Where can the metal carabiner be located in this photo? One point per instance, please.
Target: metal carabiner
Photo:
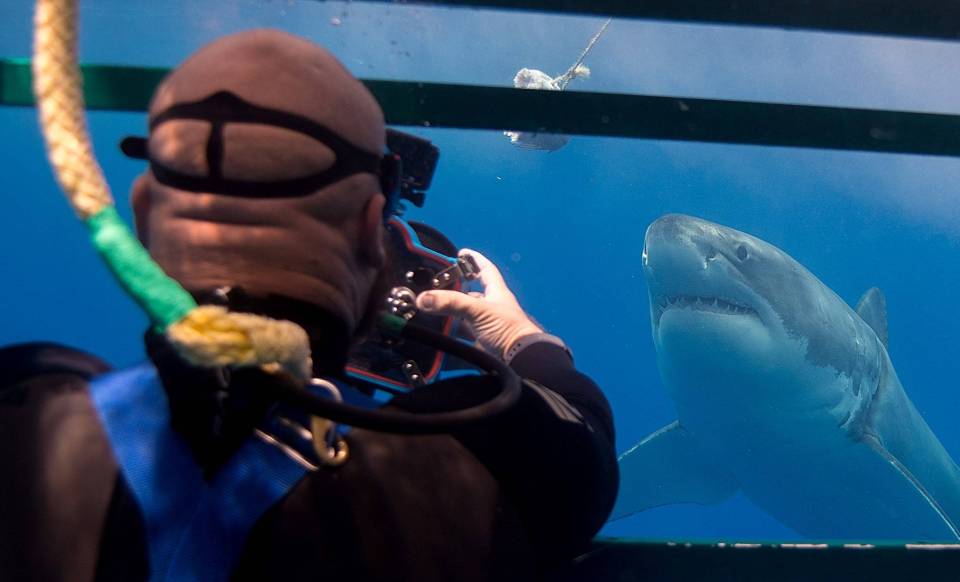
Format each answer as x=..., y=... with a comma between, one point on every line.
x=330, y=447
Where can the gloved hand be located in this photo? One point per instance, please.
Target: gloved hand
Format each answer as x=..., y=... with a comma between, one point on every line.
x=495, y=317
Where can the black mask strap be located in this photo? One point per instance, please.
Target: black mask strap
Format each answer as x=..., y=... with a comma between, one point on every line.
x=224, y=107
x=215, y=150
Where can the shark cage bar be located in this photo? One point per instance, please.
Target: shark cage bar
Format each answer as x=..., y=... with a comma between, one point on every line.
x=412, y=103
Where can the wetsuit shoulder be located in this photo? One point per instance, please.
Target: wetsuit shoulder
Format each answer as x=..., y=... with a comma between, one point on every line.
x=21, y=363
x=67, y=493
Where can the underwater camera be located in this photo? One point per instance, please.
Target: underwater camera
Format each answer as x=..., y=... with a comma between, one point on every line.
x=410, y=348
x=420, y=259
x=418, y=158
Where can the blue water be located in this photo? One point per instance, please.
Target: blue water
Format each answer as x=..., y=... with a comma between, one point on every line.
x=566, y=227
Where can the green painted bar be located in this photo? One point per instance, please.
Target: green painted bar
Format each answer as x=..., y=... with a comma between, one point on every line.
x=115, y=88
x=15, y=82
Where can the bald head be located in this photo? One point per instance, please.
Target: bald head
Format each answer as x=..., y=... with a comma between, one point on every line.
x=324, y=246
x=274, y=69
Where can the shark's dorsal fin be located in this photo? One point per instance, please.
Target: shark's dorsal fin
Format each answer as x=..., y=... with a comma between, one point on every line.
x=872, y=308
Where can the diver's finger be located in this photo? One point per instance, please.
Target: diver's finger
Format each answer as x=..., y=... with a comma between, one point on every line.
x=449, y=303
x=476, y=294
x=489, y=273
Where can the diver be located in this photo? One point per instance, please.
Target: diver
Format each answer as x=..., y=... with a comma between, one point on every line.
x=268, y=193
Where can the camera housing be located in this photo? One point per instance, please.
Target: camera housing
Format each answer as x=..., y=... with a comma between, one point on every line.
x=420, y=259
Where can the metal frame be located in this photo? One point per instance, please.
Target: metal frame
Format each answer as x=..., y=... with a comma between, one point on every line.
x=932, y=19
x=116, y=88
x=672, y=118
x=613, y=559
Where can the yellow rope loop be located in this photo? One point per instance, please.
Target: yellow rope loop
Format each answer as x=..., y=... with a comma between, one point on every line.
x=211, y=336
x=58, y=87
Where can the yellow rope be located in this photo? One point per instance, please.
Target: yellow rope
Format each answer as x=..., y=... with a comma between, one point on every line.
x=207, y=336
x=58, y=87
x=214, y=337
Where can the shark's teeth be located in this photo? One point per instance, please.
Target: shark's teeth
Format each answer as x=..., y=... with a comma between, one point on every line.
x=701, y=303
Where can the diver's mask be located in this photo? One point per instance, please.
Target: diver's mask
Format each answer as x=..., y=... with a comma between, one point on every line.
x=224, y=108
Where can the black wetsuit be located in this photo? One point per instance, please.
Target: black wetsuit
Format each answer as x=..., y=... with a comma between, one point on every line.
x=511, y=499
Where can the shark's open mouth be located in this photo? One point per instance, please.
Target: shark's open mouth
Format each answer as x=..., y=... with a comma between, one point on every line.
x=700, y=303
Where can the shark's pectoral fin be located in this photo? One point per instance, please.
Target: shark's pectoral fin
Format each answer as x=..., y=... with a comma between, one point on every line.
x=872, y=308
x=668, y=467
x=932, y=520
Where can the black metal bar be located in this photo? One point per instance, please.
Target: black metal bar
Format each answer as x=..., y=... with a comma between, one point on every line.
x=802, y=562
x=668, y=118
x=935, y=19
x=602, y=114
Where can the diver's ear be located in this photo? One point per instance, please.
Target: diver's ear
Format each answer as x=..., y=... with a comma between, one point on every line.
x=371, y=235
x=140, y=201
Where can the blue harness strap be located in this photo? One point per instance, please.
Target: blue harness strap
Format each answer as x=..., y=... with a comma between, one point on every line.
x=196, y=528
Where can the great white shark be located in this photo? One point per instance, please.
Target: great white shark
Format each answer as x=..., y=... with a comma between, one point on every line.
x=783, y=392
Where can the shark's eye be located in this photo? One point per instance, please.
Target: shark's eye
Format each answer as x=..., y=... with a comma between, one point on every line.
x=742, y=253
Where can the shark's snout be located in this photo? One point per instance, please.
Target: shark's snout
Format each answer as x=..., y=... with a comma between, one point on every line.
x=676, y=244
x=694, y=264
x=699, y=237
x=671, y=227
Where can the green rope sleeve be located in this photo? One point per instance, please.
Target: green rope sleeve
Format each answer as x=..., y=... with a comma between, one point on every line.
x=164, y=300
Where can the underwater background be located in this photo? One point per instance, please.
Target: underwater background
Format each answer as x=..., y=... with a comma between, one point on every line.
x=566, y=227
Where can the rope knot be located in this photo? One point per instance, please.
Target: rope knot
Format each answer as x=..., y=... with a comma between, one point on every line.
x=212, y=336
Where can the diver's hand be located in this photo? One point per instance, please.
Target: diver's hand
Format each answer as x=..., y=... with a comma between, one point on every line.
x=495, y=317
